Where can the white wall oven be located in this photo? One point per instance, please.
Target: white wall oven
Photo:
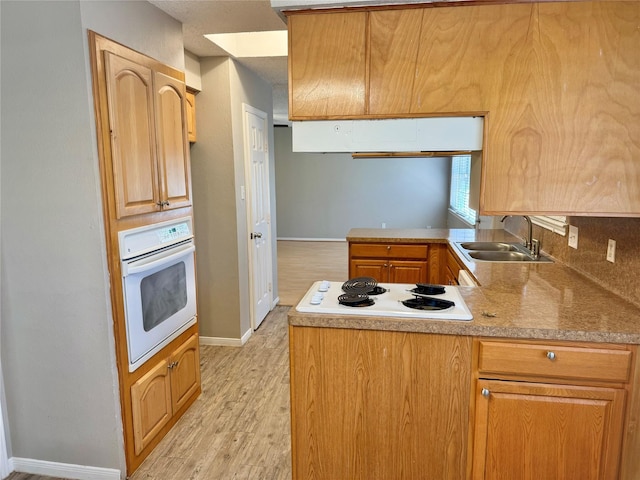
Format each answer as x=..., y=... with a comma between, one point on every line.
x=159, y=282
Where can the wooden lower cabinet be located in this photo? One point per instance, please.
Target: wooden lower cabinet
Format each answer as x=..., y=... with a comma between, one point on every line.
x=534, y=431
x=161, y=392
x=370, y=405
x=396, y=271
x=395, y=263
x=539, y=415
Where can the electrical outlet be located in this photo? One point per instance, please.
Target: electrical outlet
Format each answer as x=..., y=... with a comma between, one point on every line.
x=573, y=236
x=384, y=225
x=611, y=251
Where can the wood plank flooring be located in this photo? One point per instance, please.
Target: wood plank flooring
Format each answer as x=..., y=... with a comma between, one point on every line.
x=239, y=428
x=301, y=263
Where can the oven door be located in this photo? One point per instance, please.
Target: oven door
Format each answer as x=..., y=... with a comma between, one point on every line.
x=159, y=298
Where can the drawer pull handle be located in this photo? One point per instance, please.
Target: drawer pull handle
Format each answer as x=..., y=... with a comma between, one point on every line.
x=551, y=355
x=485, y=392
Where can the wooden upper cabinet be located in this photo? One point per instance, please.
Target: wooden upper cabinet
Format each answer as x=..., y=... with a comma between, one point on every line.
x=133, y=142
x=191, y=116
x=557, y=82
x=148, y=134
x=463, y=55
x=327, y=65
x=563, y=135
x=173, y=146
x=394, y=37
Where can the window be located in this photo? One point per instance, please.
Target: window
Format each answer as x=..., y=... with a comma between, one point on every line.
x=460, y=180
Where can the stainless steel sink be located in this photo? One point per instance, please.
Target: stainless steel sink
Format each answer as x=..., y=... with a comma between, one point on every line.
x=499, y=252
x=490, y=246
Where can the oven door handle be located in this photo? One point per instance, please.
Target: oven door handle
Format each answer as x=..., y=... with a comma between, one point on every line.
x=137, y=266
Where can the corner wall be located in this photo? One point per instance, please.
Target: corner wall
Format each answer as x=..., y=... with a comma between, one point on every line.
x=217, y=166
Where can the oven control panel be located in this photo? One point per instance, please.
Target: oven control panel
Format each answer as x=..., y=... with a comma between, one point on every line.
x=142, y=240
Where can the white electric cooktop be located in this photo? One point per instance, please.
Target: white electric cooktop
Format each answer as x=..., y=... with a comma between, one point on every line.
x=322, y=297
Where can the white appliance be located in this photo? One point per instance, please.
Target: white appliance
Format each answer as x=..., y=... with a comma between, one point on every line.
x=434, y=134
x=322, y=297
x=465, y=279
x=159, y=282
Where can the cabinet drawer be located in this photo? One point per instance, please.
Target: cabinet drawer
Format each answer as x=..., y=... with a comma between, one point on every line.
x=378, y=250
x=554, y=361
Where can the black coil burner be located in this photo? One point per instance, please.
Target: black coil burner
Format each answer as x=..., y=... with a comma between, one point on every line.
x=355, y=300
x=365, y=285
x=428, y=303
x=427, y=289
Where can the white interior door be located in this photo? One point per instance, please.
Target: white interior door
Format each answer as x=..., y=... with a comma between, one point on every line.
x=258, y=212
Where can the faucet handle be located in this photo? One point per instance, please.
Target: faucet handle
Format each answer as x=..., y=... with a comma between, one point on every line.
x=535, y=247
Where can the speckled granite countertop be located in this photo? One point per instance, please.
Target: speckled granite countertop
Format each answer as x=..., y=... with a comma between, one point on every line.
x=530, y=300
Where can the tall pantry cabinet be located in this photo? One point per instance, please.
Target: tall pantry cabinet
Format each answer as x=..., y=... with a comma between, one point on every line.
x=143, y=147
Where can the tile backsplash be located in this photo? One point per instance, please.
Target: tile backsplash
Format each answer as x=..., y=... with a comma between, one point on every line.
x=589, y=259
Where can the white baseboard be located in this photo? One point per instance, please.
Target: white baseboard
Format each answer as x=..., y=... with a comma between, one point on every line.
x=312, y=239
x=275, y=302
x=226, y=342
x=62, y=470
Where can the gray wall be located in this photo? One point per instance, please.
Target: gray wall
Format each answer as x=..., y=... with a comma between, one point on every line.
x=217, y=162
x=57, y=333
x=323, y=196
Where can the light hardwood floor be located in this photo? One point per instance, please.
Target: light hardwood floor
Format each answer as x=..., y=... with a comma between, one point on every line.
x=302, y=263
x=239, y=428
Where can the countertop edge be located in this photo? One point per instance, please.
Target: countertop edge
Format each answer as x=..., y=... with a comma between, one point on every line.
x=455, y=327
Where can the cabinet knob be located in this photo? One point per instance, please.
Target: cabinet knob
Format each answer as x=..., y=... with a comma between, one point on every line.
x=551, y=355
x=485, y=392
x=388, y=247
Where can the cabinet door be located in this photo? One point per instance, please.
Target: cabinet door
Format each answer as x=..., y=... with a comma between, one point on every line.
x=378, y=269
x=378, y=405
x=173, y=147
x=407, y=271
x=327, y=65
x=151, y=405
x=536, y=431
x=185, y=372
x=394, y=41
x=133, y=143
x=190, y=99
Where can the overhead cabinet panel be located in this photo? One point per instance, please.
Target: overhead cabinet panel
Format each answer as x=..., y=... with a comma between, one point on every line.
x=327, y=65
x=394, y=37
x=564, y=136
x=148, y=130
x=133, y=142
x=173, y=152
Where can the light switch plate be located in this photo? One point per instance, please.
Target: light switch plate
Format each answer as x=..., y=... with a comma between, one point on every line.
x=573, y=236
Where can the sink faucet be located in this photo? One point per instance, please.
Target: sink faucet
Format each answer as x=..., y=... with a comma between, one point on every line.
x=530, y=244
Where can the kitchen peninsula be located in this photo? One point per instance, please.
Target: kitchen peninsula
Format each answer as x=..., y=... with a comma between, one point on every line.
x=385, y=397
